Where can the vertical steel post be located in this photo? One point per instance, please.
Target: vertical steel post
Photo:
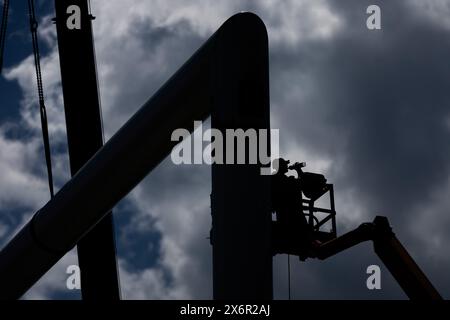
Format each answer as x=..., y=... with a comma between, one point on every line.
x=241, y=234
x=96, y=250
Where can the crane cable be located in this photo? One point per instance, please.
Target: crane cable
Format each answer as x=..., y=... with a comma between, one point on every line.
x=3, y=31
x=42, y=109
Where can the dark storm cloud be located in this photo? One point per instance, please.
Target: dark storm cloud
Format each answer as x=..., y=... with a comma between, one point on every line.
x=389, y=93
x=155, y=52
x=340, y=277
x=374, y=102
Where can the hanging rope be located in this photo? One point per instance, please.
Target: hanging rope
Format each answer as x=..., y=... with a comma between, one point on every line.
x=3, y=31
x=37, y=63
x=289, y=276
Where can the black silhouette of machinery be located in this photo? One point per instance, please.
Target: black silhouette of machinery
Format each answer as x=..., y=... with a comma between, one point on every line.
x=303, y=235
x=314, y=186
x=309, y=188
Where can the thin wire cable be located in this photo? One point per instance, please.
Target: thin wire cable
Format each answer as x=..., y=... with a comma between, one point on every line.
x=42, y=109
x=289, y=276
x=3, y=28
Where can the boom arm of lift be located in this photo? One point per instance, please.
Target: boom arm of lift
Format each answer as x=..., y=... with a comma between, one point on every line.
x=395, y=257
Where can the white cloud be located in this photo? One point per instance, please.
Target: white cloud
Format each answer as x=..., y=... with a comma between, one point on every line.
x=133, y=61
x=147, y=284
x=178, y=198
x=292, y=22
x=436, y=11
x=288, y=21
x=19, y=185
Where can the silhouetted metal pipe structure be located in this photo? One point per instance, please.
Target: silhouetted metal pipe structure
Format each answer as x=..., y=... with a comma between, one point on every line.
x=96, y=250
x=394, y=256
x=227, y=76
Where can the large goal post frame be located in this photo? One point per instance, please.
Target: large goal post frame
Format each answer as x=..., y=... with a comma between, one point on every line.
x=228, y=78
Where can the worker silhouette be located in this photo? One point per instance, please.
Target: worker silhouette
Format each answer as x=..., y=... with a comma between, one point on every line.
x=287, y=205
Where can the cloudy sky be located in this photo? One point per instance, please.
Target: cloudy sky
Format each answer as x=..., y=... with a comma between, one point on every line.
x=366, y=108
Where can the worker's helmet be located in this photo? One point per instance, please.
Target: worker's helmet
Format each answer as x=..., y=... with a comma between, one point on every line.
x=281, y=165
